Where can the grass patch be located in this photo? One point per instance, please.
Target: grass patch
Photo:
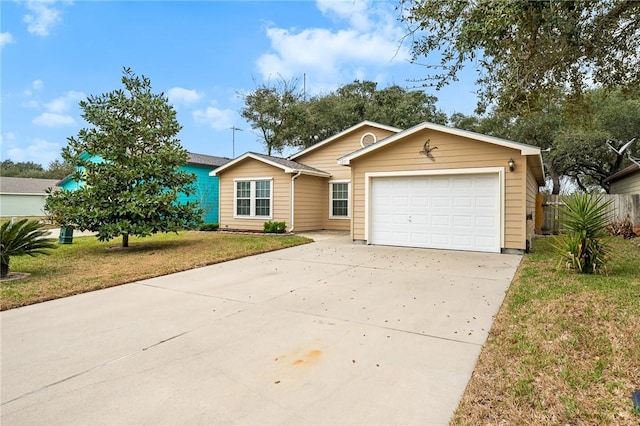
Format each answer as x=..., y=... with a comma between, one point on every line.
x=42, y=219
x=564, y=348
x=88, y=264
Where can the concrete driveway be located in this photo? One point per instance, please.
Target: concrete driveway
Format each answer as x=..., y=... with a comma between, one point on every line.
x=326, y=333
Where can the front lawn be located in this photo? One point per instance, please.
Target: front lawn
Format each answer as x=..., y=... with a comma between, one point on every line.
x=88, y=264
x=564, y=348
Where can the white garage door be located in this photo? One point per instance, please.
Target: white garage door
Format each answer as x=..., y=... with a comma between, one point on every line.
x=460, y=212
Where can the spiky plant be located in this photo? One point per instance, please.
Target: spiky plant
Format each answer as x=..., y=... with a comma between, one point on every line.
x=584, y=219
x=19, y=238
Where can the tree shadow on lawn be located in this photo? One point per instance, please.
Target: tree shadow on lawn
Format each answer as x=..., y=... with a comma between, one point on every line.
x=145, y=246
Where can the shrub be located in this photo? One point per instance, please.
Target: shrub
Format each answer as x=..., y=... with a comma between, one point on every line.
x=584, y=220
x=22, y=237
x=209, y=227
x=275, y=227
x=622, y=227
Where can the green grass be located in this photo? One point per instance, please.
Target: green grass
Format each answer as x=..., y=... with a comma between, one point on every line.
x=564, y=348
x=88, y=264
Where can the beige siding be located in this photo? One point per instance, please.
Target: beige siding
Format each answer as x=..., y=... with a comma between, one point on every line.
x=453, y=152
x=325, y=158
x=532, y=191
x=627, y=185
x=311, y=199
x=254, y=169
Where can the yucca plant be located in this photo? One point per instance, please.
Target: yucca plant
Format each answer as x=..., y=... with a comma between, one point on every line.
x=22, y=237
x=584, y=220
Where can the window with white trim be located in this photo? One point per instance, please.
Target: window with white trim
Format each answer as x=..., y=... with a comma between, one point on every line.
x=339, y=199
x=253, y=198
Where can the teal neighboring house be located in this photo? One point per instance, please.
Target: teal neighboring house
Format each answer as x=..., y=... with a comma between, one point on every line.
x=206, y=187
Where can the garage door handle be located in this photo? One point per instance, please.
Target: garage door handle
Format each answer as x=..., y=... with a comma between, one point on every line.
x=409, y=219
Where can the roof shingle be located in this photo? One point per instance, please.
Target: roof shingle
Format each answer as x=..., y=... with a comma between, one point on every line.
x=16, y=185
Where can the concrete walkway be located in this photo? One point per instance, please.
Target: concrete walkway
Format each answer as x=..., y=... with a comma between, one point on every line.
x=326, y=333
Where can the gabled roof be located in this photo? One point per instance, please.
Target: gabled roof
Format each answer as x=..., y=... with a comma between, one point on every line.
x=207, y=160
x=523, y=148
x=622, y=173
x=31, y=186
x=288, y=166
x=344, y=132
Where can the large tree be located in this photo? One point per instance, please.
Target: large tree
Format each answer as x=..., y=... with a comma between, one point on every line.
x=583, y=148
x=285, y=118
x=526, y=50
x=576, y=142
x=128, y=161
x=362, y=100
x=273, y=110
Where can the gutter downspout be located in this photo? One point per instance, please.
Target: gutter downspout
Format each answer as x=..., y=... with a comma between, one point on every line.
x=293, y=197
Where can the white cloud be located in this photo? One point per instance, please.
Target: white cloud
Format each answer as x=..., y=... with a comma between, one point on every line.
x=39, y=151
x=63, y=103
x=35, y=86
x=219, y=119
x=49, y=119
x=8, y=137
x=357, y=12
x=31, y=104
x=6, y=38
x=182, y=96
x=43, y=16
x=370, y=42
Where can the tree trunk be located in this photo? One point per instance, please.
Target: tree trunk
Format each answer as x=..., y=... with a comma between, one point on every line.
x=555, y=179
x=4, y=268
x=125, y=240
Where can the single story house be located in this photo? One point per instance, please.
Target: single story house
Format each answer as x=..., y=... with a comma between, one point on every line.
x=428, y=186
x=626, y=181
x=206, y=185
x=23, y=196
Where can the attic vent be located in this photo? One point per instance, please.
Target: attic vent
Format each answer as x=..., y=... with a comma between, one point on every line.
x=367, y=139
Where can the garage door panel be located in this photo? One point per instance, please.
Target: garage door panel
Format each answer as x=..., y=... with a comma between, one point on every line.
x=440, y=201
x=459, y=201
x=485, y=202
x=445, y=211
x=462, y=182
x=465, y=221
x=440, y=220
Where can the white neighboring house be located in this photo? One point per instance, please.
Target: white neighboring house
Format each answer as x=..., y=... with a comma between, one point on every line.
x=24, y=196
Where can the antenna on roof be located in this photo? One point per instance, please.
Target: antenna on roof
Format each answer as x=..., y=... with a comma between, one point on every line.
x=233, y=129
x=634, y=160
x=624, y=147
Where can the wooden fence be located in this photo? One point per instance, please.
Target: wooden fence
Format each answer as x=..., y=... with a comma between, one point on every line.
x=548, y=218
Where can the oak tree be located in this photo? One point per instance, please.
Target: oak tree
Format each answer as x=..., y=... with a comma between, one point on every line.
x=526, y=50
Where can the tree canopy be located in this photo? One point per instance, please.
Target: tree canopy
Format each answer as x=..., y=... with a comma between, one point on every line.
x=574, y=143
x=128, y=161
x=284, y=117
x=274, y=111
x=28, y=169
x=525, y=51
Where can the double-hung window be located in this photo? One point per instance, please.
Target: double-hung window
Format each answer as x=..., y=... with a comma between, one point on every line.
x=253, y=198
x=339, y=199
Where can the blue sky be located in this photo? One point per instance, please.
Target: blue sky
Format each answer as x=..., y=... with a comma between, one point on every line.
x=202, y=54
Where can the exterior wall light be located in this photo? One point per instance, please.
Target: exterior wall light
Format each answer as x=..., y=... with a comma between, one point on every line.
x=512, y=164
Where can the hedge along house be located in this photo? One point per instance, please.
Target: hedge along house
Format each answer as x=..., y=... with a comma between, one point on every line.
x=206, y=186
x=429, y=186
